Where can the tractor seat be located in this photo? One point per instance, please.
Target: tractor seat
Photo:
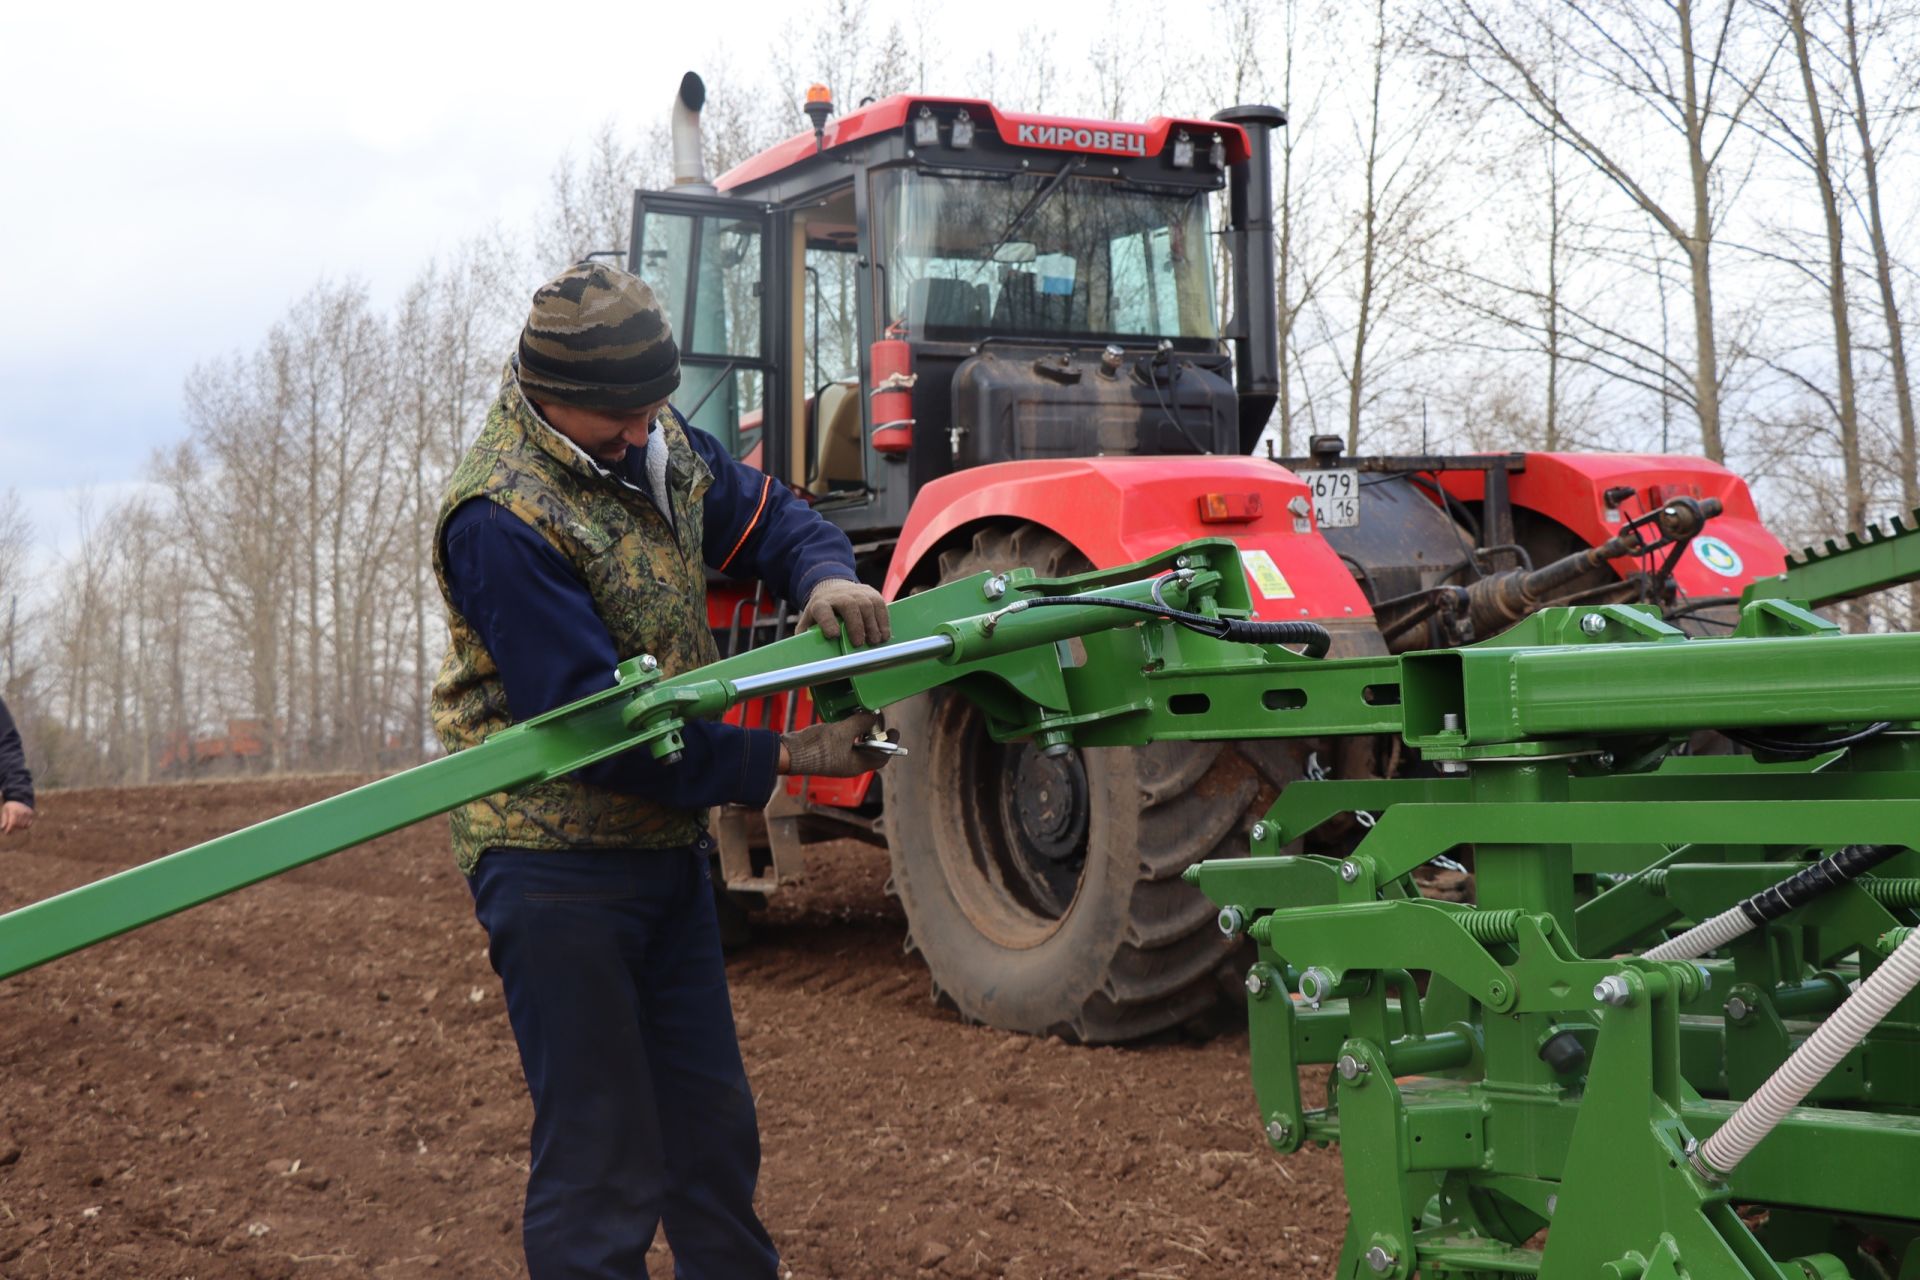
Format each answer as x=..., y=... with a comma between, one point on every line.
x=838, y=461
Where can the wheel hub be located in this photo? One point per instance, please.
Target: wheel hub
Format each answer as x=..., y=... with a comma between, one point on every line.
x=1050, y=800
x=1043, y=818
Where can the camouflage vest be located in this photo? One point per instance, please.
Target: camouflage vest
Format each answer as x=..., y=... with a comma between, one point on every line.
x=648, y=586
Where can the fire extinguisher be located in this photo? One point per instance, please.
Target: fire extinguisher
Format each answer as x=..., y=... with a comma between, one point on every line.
x=893, y=378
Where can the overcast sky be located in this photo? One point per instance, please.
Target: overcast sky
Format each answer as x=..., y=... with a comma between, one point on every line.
x=173, y=176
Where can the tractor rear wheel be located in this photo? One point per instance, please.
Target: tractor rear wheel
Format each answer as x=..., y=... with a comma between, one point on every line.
x=1044, y=892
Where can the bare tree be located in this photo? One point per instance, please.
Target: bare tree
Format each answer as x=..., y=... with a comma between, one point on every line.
x=590, y=197
x=450, y=335
x=1798, y=126
x=1653, y=68
x=1402, y=153
x=16, y=548
x=836, y=47
x=1856, y=48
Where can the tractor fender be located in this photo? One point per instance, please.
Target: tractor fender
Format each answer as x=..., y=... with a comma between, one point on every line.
x=1117, y=510
x=1570, y=488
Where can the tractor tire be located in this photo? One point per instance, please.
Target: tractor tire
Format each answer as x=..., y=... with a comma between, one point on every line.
x=1043, y=893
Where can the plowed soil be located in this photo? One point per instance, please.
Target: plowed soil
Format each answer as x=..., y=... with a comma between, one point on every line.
x=315, y=1078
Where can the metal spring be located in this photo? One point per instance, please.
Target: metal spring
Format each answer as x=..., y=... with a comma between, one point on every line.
x=1891, y=892
x=1490, y=926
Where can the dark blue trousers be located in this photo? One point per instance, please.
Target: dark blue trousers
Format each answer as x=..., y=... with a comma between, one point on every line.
x=641, y=1112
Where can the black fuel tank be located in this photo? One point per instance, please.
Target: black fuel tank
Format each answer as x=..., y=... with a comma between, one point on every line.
x=1033, y=402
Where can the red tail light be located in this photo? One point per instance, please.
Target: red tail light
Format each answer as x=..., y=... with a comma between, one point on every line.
x=1229, y=508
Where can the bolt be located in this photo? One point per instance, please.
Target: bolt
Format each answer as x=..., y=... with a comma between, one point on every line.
x=1259, y=831
x=1380, y=1260
x=1256, y=982
x=1351, y=1068
x=1450, y=722
x=1349, y=871
x=1613, y=990
x=1181, y=562
x=1604, y=759
x=1233, y=922
x=1738, y=1009
x=649, y=663
x=1553, y=1205
x=995, y=587
x=1592, y=623
x=1277, y=1132
x=1054, y=750
x=1451, y=766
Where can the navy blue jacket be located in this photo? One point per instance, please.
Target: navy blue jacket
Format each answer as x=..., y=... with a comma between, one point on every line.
x=536, y=617
x=15, y=782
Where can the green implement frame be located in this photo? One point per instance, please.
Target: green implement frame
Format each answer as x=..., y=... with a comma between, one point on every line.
x=1517, y=1088
x=1854, y=565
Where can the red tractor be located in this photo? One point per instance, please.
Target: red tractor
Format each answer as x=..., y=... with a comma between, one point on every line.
x=977, y=339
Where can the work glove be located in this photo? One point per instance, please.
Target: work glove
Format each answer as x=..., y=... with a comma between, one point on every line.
x=834, y=750
x=839, y=600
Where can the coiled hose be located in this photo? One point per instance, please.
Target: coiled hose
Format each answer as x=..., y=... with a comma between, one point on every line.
x=1772, y=903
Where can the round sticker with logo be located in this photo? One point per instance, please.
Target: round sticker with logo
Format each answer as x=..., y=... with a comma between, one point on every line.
x=1718, y=556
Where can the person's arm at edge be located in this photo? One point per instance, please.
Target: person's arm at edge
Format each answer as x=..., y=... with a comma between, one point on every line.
x=537, y=620
x=16, y=783
x=755, y=527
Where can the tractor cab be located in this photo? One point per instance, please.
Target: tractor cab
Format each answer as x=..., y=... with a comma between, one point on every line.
x=926, y=285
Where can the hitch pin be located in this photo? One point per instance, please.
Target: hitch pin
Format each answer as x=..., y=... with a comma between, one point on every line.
x=877, y=741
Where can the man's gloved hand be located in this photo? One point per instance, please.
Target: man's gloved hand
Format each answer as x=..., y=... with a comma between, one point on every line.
x=839, y=600
x=833, y=750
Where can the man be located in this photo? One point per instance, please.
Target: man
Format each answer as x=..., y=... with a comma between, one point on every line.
x=574, y=534
x=16, y=784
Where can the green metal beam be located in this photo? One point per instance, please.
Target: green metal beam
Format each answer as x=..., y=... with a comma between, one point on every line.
x=1871, y=560
x=640, y=710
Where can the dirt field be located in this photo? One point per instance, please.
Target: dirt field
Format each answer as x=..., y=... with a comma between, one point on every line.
x=315, y=1078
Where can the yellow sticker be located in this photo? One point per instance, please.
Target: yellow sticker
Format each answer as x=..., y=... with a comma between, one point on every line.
x=1266, y=575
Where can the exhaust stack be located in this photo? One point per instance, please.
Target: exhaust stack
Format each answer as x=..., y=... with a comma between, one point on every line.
x=1256, y=323
x=689, y=167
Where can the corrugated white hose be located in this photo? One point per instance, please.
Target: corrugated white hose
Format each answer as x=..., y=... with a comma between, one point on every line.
x=1702, y=938
x=1808, y=1065
x=1772, y=903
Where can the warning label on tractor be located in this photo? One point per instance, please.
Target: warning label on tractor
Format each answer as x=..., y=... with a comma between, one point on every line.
x=1266, y=575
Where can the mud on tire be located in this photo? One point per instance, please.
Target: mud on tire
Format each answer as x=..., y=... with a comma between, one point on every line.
x=1045, y=893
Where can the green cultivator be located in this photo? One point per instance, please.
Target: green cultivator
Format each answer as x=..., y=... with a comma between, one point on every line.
x=1676, y=1034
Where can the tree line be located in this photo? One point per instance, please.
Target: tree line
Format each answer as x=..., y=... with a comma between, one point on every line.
x=1640, y=225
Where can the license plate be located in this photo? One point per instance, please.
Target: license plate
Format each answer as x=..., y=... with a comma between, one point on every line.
x=1336, y=498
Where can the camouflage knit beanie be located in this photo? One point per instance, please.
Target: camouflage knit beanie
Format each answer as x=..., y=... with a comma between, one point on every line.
x=597, y=338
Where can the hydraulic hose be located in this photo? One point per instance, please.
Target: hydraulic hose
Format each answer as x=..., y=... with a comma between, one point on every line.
x=1313, y=637
x=1808, y=1065
x=1772, y=903
x=1801, y=749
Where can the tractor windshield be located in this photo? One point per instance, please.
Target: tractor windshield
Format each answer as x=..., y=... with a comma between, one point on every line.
x=1027, y=254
